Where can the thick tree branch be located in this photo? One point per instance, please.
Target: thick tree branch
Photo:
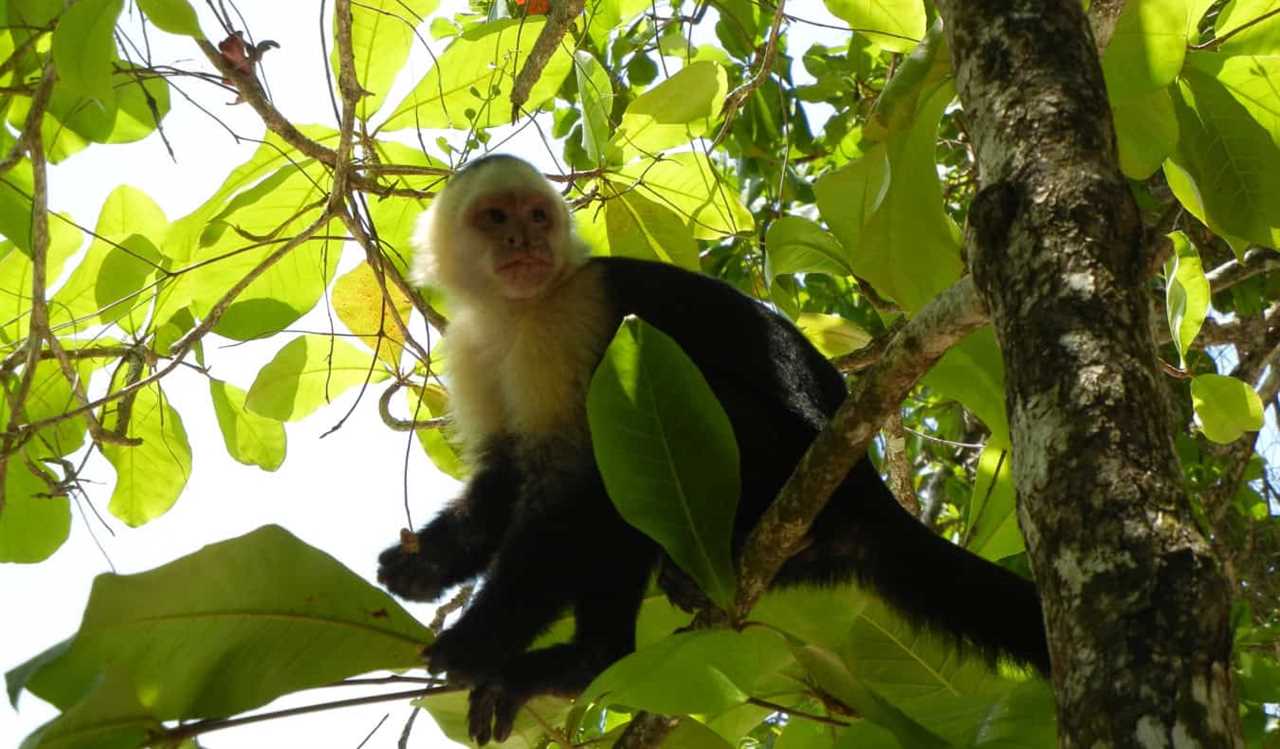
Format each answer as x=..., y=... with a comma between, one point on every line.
x=941, y=324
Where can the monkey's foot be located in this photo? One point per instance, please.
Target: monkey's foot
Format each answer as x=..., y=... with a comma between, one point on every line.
x=492, y=710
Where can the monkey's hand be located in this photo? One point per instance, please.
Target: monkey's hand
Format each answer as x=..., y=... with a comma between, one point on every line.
x=491, y=712
x=419, y=574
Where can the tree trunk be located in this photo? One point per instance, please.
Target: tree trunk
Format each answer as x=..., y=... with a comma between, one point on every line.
x=1135, y=604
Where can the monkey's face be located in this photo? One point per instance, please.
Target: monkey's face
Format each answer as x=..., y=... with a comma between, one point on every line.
x=522, y=232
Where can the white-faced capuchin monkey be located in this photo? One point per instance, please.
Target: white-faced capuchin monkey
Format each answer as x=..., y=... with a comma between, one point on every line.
x=531, y=317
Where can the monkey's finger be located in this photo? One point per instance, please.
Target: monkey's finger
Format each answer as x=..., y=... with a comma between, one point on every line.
x=506, y=707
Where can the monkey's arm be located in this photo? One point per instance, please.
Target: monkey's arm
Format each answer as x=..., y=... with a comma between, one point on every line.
x=461, y=541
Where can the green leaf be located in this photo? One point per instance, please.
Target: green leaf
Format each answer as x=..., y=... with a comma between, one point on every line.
x=848, y=197
x=1227, y=163
x=428, y=403
x=1146, y=48
x=475, y=75
x=183, y=244
x=173, y=16
x=1258, y=39
x=15, y=226
x=667, y=452
x=692, y=672
x=32, y=525
x=1187, y=293
x=122, y=259
x=232, y=627
x=396, y=216
x=973, y=374
x=367, y=312
x=595, y=92
x=84, y=47
x=382, y=31
x=1225, y=406
x=674, y=112
x=1146, y=132
x=832, y=334
x=894, y=25
x=109, y=717
x=798, y=245
x=250, y=439
x=150, y=476
x=135, y=119
x=310, y=371
x=646, y=229
x=704, y=197
x=993, y=517
x=834, y=677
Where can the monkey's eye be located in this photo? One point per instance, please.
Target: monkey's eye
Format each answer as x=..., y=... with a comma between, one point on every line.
x=496, y=216
x=538, y=215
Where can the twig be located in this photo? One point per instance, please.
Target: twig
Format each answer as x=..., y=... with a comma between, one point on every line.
x=1217, y=41
x=397, y=424
x=174, y=735
x=739, y=96
x=647, y=731
x=899, y=464
x=797, y=713
x=558, y=21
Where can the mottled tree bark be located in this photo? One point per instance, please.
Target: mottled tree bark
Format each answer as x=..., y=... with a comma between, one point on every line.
x=1136, y=606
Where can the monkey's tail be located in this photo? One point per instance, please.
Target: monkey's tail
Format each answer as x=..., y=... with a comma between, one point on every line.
x=864, y=534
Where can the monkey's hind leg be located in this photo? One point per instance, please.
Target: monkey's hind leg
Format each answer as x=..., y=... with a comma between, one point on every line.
x=605, y=616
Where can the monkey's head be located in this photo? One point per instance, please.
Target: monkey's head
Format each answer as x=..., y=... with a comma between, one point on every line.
x=498, y=229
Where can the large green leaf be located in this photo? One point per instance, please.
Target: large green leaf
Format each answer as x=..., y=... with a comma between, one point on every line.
x=250, y=438
x=833, y=676
x=667, y=452
x=640, y=227
x=703, y=195
x=993, y=516
x=174, y=16
x=32, y=524
x=230, y=628
x=187, y=242
x=84, y=47
x=397, y=216
x=367, y=312
x=310, y=371
x=972, y=373
x=1226, y=167
x=894, y=25
x=122, y=259
x=1186, y=294
x=848, y=197
x=15, y=226
x=833, y=335
x=430, y=402
x=1146, y=132
x=381, y=33
x=693, y=672
x=149, y=476
x=1146, y=48
x=798, y=245
x=109, y=717
x=1225, y=406
x=470, y=84
x=674, y=112
x=595, y=92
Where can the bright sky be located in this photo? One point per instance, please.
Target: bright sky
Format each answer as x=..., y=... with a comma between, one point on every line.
x=342, y=494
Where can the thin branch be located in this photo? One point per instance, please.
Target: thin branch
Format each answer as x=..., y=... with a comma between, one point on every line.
x=738, y=97
x=941, y=324
x=1220, y=40
x=397, y=424
x=558, y=22
x=647, y=731
x=174, y=735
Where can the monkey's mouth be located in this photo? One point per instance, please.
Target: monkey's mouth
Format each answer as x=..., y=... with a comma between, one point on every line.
x=525, y=270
